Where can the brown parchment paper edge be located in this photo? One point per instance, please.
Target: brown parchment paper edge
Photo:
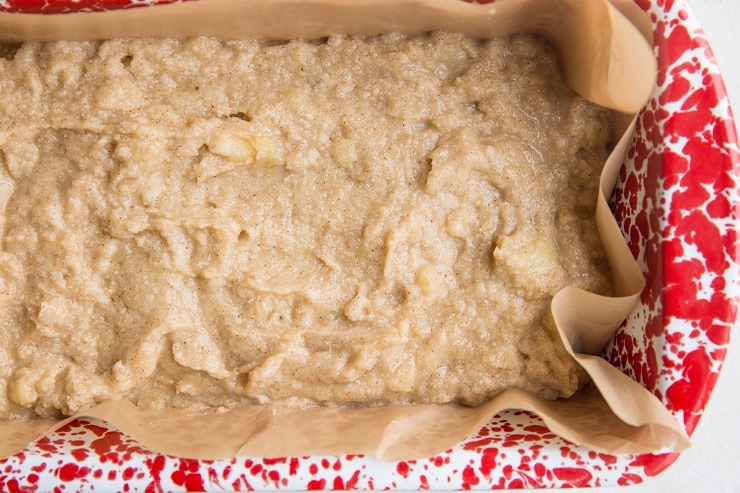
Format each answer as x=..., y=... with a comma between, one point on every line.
x=605, y=57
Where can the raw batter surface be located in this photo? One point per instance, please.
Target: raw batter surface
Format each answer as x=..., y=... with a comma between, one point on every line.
x=206, y=223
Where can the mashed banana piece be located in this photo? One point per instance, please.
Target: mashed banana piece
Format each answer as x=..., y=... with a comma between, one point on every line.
x=204, y=223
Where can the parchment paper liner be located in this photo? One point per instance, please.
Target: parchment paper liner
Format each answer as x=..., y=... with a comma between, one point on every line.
x=606, y=57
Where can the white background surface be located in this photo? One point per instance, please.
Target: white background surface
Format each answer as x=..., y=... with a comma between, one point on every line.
x=713, y=462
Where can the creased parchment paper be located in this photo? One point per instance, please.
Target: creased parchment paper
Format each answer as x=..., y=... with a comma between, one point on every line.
x=605, y=57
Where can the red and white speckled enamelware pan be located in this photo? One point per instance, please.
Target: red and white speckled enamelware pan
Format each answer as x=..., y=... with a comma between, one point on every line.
x=677, y=201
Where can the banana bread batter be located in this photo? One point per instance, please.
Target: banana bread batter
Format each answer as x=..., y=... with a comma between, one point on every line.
x=352, y=221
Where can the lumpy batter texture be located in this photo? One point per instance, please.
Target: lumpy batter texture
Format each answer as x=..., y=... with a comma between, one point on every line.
x=208, y=223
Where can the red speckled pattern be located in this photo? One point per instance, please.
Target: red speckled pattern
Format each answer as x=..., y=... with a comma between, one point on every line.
x=72, y=6
x=677, y=202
